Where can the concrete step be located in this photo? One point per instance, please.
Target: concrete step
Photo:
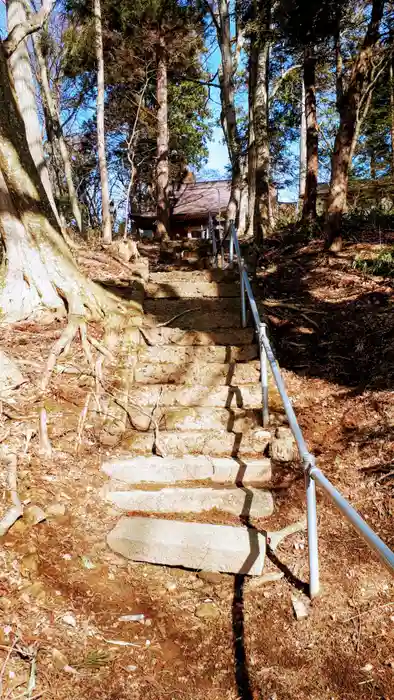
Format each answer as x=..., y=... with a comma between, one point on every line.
x=212, y=353
x=217, y=443
x=203, y=320
x=255, y=503
x=214, y=275
x=169, y=470
x=211, y=374
x=243, y=396
x=178, y=336
x=178, y=289
x=192, y=545
x=197, y=418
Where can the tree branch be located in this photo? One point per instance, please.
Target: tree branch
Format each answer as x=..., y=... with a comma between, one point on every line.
x=21, y=31
x=281, y=79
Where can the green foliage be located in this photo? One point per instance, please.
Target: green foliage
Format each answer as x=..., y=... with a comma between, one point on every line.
x=381, y=265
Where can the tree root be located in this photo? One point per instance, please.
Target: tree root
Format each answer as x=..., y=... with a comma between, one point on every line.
x=16, y=509
x=62, y=346
x=45, y=449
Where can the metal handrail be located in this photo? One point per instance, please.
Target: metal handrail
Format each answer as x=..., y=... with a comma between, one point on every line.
x=313, y=475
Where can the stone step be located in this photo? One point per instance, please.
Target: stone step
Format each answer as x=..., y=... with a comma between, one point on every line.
x=197, y=418
x=169, y=470
x=178, y=289
x=243, y=396
x=216, y=443
x=212, y=353
x=210, y=374
x=199, y=320
x=214, y=275
x=192, y=545
x=254, y=503
x=178, y=336
x=166, y=308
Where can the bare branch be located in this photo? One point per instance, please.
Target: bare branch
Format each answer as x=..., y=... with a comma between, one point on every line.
x=281, y=79
x=21, y=31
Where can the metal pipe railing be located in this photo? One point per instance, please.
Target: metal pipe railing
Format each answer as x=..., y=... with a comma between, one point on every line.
x=313, y=475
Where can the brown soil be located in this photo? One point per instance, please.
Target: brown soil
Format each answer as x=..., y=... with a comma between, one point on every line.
x=338, y=367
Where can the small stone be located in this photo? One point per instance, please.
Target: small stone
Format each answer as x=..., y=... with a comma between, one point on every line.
x=207, y=611
x=283, y=447
x=59, y=659
x=301, y=608
x=367, y=668
x=55, y=510
x=170, y=586
x=29, y=565
x=36, y=591
x=210, y=577
x=131, y=668
x=5, y=603
x=259, y=581
x=69, y=619
x=32, y=515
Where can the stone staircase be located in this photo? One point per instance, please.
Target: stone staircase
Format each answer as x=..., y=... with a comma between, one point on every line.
x=198, y=444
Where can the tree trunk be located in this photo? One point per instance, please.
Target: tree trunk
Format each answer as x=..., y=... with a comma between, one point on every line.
x=40, y=271
x=360, y=80
x=21, y=72
x=228, y=115
x=162, y=174
x=243, y=201
x=310, y=196
x=253, y=57
x=262, y=213
x=391, y=72
x=302, y=156
x=106, y=214
x=54, y=129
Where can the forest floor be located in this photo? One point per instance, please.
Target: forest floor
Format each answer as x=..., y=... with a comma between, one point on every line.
x=62, y=591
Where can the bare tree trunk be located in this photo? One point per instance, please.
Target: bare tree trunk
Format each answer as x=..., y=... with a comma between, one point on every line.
x=227, y=94
x=263, y=213
x=310, y=196
x=21, y=71
x=40, y=271
x=244, y=200
x=163, y=213
x=391, y=73
x=54, y=128
x=360, y=81
x=106, y=214
x=302, y=177
x=253, y=57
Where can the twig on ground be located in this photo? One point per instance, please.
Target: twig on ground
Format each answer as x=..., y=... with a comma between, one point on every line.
x=170, y=320
x=81, y=422
x=101, y=348
x=157, y=448
x=45, y=449
x=16, y=509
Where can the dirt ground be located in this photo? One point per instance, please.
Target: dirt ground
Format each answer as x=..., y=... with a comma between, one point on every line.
x=62, y=591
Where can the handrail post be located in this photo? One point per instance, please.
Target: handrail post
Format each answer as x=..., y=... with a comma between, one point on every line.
x=243, y=296
x=264, y=374
x=311, y=515
x=231, y=251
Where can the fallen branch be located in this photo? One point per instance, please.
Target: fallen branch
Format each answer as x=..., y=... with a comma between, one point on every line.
x=16, y=509
x=170, y=320
x=45, y=449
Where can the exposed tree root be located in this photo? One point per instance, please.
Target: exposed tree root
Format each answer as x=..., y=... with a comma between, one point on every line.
x=45, y=448
x=16, y=509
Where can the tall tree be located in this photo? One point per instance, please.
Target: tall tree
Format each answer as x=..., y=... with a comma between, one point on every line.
x=368, y=64
x=162, y=172
x=311, y=170
x=105, y=200
x=20, y=66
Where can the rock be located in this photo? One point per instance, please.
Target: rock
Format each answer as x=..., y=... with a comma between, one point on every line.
x=10, y=375
x=5, y=604
x=170, y=586
x=69, y=619
x=32, y=515
x=207, y=611
x=55, y=510
x=367, y=668
x=35, y=591
x=191, y=545
x=283, y=447
x=210, y=577
x=29, y=565
x=301, y=608
x=269, y=577
x=59, y=659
